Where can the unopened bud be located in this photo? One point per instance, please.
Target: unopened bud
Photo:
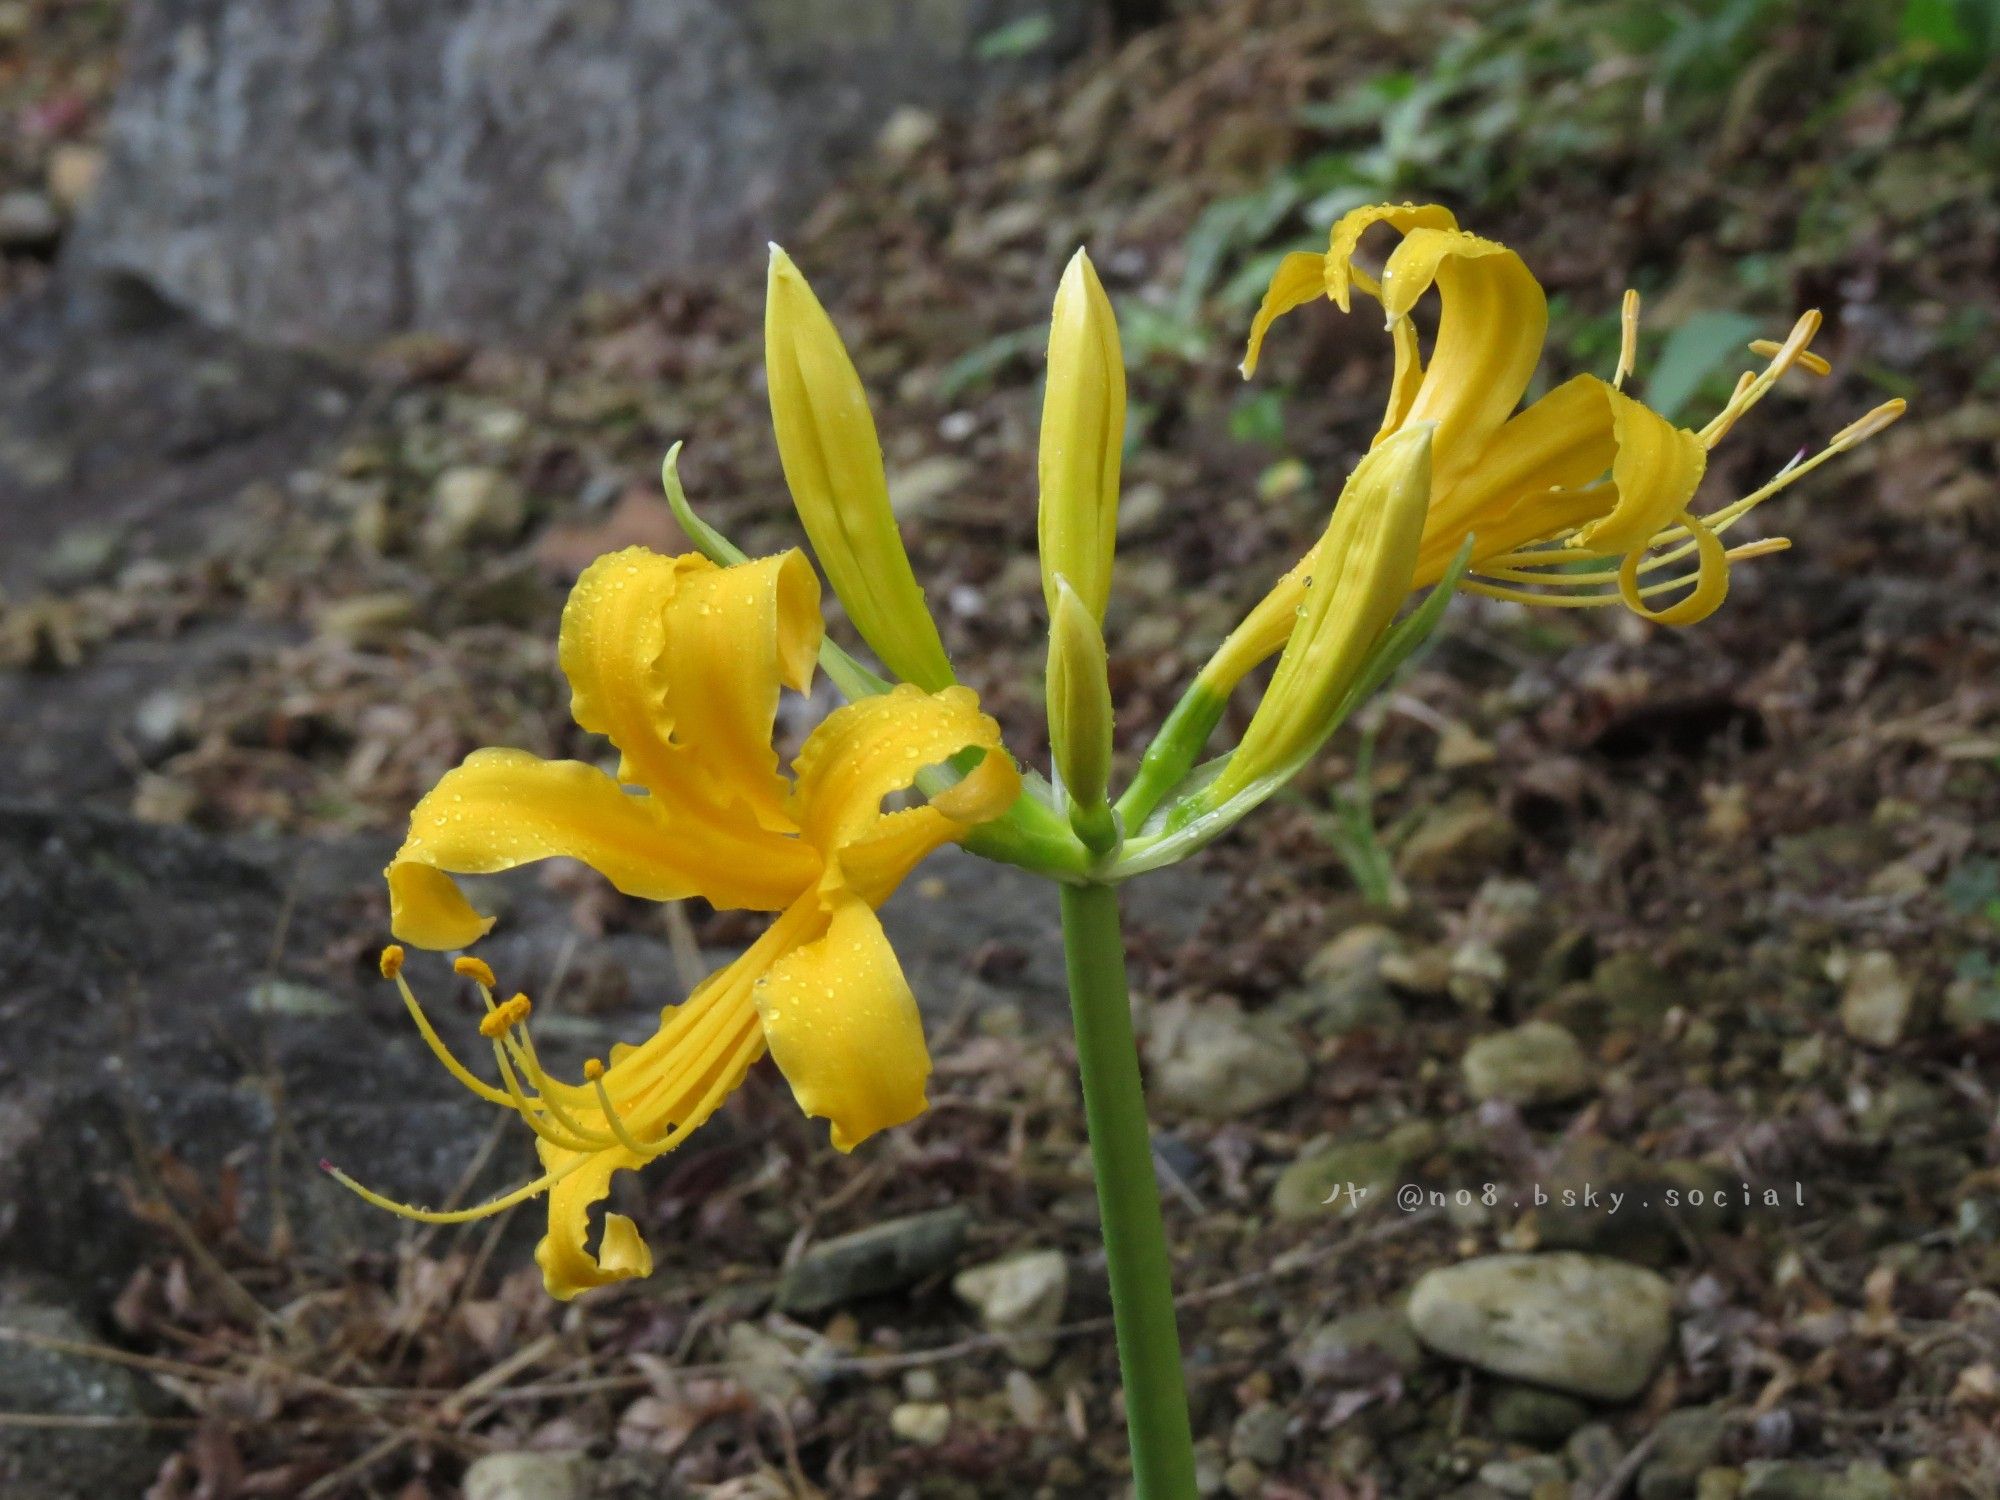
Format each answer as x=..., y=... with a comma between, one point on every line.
x=833, y=466
x=1082, y=441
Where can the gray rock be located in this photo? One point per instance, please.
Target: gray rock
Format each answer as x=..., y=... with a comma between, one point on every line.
x=1363, y=1173
x=1457, y=843
x=472, y=503
x=80, y=1463
x=102, y=911
x=1343, y=988
x=1593, y=1451
x=1258, y=1435
x=1535, y=1063
x=1528, y=1414
x=1576, y=1323
x=1359, y=1348
x=1877, y=1003
x=1019, y=1295
x=1525, y=1477
x=344, y=172
x=28, y=221
x=1789, y=1480
x=1765, y=1479
x=882, y=1258
x=529, y=1476
x=1211, y=1060
x=1685, y=1443
x=925, y=1423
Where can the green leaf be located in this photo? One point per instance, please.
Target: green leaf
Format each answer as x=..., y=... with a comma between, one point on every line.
x=1693, y=352
x=1935, y=23
x=1016, y=39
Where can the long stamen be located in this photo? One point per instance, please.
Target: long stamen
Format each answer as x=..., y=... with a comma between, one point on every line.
x=1506, y=566
x=531, y=1116
x=485, y=1210
x=1749, y=393
x=392, y=968
x=1559, y=600
x=1628, y=339
x=593, y=1071
x=498, y=1026
x=1519, y=574
x=694, y=1053
x=522, y=1046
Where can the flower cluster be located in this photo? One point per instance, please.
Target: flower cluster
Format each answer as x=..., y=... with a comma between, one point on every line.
x=1584, y=497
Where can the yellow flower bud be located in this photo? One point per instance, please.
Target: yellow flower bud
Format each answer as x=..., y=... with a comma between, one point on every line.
x=833, y=467
x=1362, y=574
x=1083, y=440
x=1080, y=713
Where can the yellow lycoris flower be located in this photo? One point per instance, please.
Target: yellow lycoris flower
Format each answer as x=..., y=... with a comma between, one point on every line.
x=1584, y=475
x=679, y=663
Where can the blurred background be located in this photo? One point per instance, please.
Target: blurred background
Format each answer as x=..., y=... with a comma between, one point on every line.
x=337, y=336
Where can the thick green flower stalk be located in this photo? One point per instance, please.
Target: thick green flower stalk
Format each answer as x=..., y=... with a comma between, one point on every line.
x=1583, y=498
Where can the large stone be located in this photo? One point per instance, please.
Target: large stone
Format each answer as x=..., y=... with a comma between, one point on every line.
x=135, y=991
x=39, y=1375
x=1877, y=1002
x=1348, y=1177
x=335, y=170
x=1359, y=1348
x=1576, y=1323
x=529, y=1476
x=1210, y=1059
x=1457, y=842
x=1020, y=1298
x=882, y=1258
x=1536, y=1063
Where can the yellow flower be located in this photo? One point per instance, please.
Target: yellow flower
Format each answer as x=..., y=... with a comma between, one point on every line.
x=1585, y=475
x=679, y=663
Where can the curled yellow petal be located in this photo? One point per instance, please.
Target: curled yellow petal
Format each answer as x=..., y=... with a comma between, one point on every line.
x=1299, y=279
x=833, y=467
x=567, y=1264
x=1656, y=472
x=504, y=808
x=1711, y=580
x=734, y=637
x=1082, y=440
x=1564, y=440
x=844, y=1028
x=877, y=746
x=1492, y=318
x=612, y=649
x=1345, y=239
x=1360, y=578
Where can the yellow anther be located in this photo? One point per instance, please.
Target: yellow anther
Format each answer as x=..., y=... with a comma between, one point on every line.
x=475, y=969
x=502, y=1018
x=392, y=961
x=1768, y=349
x=1868, y=426
x=593, y=1069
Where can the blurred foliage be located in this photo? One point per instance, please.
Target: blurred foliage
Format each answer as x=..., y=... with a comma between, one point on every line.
x=1872, y=113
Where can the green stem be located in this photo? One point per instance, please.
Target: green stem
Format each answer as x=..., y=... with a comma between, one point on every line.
x=1128, y=1197
x=1173, y=753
